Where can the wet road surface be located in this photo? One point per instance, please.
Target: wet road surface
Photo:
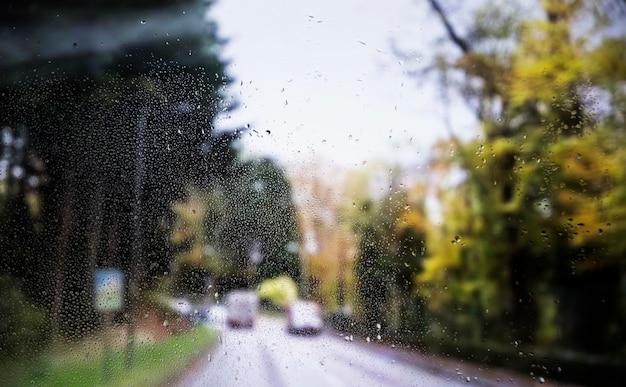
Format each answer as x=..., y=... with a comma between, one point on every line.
x=268, y=355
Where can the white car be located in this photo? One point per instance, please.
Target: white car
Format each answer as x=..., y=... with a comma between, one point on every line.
x=304, y=317
x=216, y=316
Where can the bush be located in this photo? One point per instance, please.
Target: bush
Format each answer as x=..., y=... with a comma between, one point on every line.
x=281, y=291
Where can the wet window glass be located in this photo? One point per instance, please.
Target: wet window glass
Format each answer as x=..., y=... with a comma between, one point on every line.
x=290, y=193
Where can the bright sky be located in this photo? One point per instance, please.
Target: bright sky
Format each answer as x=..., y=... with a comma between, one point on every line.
x=319, y=79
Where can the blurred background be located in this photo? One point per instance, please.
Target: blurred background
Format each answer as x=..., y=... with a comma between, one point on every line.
x=434, y=176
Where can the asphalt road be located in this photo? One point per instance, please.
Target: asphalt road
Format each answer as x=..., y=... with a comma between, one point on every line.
x=269, y=356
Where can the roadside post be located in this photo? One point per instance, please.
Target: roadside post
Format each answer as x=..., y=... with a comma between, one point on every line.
x=108, y=298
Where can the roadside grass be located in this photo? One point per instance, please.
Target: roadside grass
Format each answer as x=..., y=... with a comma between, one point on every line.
x=84, y=365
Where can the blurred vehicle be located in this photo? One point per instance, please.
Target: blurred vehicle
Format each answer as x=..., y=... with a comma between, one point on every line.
x=242, y=308
x=181, y=306
x=217, y=315
x=304, y=317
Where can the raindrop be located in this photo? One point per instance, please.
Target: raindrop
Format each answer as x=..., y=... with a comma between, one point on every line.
x=143, y=22
x=541, y=380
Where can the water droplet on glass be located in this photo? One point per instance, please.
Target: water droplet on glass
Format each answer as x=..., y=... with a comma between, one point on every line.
x=143, y=22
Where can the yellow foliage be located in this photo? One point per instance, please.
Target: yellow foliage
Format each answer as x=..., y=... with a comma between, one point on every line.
x=608, y=62
x=549, y=61
x=280, y=290
x=191, y=257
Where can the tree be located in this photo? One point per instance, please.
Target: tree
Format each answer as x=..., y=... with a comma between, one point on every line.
x=195, y=235
x=261, y=231
x=329, y=244
x=120, y=138
x=237, y=232
x=534, y=189
x=391, y=248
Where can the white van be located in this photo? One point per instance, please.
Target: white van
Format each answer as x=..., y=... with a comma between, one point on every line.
x=242, y=308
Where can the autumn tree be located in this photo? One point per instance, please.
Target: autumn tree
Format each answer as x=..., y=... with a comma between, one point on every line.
x=541, y=197
x=328, y=243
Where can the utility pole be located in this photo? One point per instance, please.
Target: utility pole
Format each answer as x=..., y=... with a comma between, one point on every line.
x=136, y=266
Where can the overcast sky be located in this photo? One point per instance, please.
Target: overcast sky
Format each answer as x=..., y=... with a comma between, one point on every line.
x=319, y=79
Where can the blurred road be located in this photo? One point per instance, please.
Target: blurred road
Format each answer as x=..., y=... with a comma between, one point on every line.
x=269, y=356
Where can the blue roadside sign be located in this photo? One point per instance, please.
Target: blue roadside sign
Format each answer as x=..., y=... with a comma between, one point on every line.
x=108, y=290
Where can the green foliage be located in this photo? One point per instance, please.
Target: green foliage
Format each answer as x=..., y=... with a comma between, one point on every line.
x=538, y=214
x=23, y=328
x=237, y=232
x=155, y=363
x=118, y=141
x=391, y=249
x=261, y=216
